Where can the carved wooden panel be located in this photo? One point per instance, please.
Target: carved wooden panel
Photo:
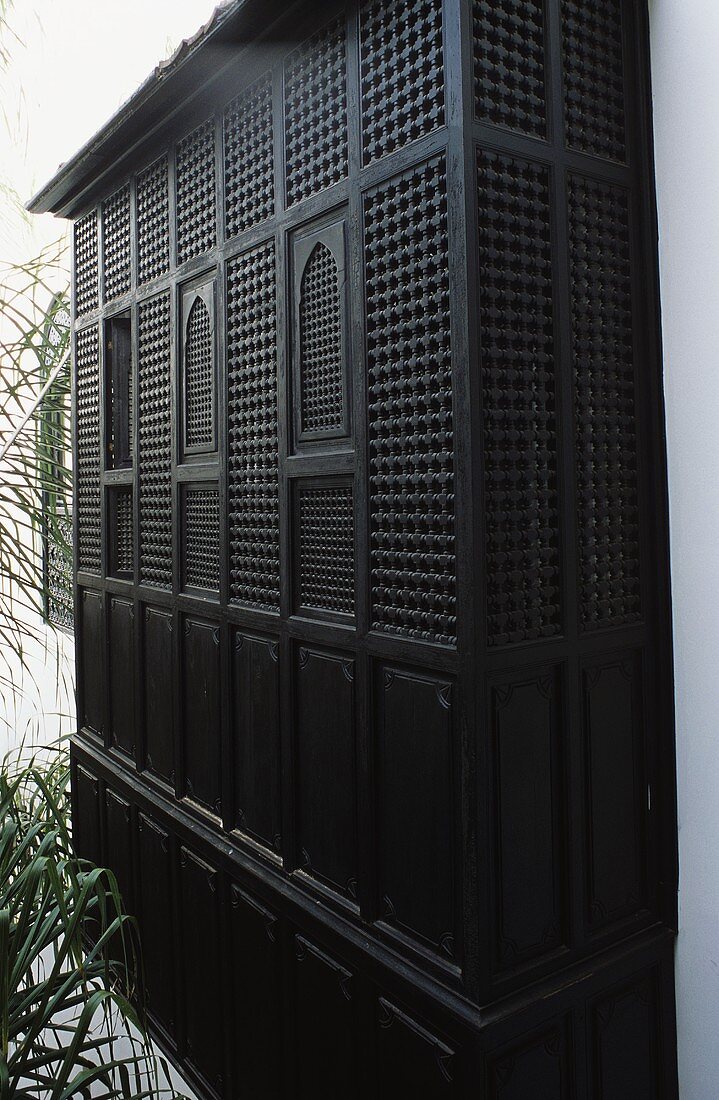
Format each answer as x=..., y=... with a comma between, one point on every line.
x=202, y=971
x=248, y=153
x=201, y=537
x=92, y=660
x=412, y=1061
x=86, y=815
x=625, y=1043
x=118, y=850
x=536, y=1069
x=195, y=192
x=86, y=264
x=157, y=914
x=159, y=682
x=325, y=763
x=616, y=787
x=201, y=712
x=153, y=222
x=416, y=810
x=256, y=737
x=258, y=1038
x=594, y=86
x=122, y=675
x=529, y=793
x=326, y=1057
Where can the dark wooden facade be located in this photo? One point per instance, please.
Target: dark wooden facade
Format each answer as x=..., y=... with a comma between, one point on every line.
x=373, y=625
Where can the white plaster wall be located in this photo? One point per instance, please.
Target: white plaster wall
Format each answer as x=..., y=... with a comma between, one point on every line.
x=685, y=63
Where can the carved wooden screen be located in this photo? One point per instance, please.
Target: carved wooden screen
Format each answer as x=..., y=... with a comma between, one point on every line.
x=373, y=647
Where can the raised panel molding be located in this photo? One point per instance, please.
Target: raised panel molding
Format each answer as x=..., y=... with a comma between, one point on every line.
x=529, y=815
x=256, y=738
x=536, y=1069
x=200, y=674
x=326, y=768
x=616, y=788
x=416, y=826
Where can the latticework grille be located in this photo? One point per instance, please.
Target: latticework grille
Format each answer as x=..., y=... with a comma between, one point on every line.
x=410, y=406
x=249, y=175
x=116, y=252
x=321, y=358
x=252, y=415
x=594, y=76
x=325, y=536
x=316, y=113
x=86, y=264
x=202, y=538
x=509, y=64
x=58, y=574
x=155, y=441
x=89, y=526
x=402, y=73
x=153, y=222
x=124, y=557
x=606, y=459
x=195, y=193
x=199, y=378
x=518, y=400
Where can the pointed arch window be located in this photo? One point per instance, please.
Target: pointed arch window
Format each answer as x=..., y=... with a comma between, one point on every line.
x=200, y=373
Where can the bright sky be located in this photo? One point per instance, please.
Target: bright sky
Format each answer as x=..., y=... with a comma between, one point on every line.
x=73, y=63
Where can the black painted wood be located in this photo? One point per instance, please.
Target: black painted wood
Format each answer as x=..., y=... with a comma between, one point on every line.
x=373, y=636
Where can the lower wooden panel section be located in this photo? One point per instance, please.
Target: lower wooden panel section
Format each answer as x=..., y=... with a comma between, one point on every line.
x=255, y=990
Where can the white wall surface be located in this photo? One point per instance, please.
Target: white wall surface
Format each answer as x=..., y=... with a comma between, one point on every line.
x=685, y=63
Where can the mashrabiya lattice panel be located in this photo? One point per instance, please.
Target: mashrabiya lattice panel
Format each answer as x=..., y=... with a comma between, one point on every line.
x=124, y=531
x=253, y=501
x=410, y=406
x=402, y=73
x=316, y=113
x=321, y=358
x=509, y=64
x=59, y=597
x=518, y=400
x=594, y=77
x=199, y=378
x=248, y=158
x=86, y=264
x=195, y=192
x=116, y=251
x=202, y=538
x=153, y=222
x=89, y=524
x=326, y=565
x=155, y=442
x=606, y=443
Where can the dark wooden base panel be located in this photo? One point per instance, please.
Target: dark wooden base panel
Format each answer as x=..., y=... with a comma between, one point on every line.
x=256, y=990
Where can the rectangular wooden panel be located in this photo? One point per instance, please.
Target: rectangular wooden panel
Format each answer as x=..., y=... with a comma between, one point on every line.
x=535, y=1069
x=625, y=1043
x=86, y=815
x=411, y=1060
x=528, y=816
x=203, y=1002
x=325, y=1018
x=257, y=1036
x=325, y=747
x=118, y=826
x=92, y=660
x=416, y=825
x=157, y=909
x=201, y=711
x=122, y=675
x=616, y=787
x=256, y=737
x=159, y=680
